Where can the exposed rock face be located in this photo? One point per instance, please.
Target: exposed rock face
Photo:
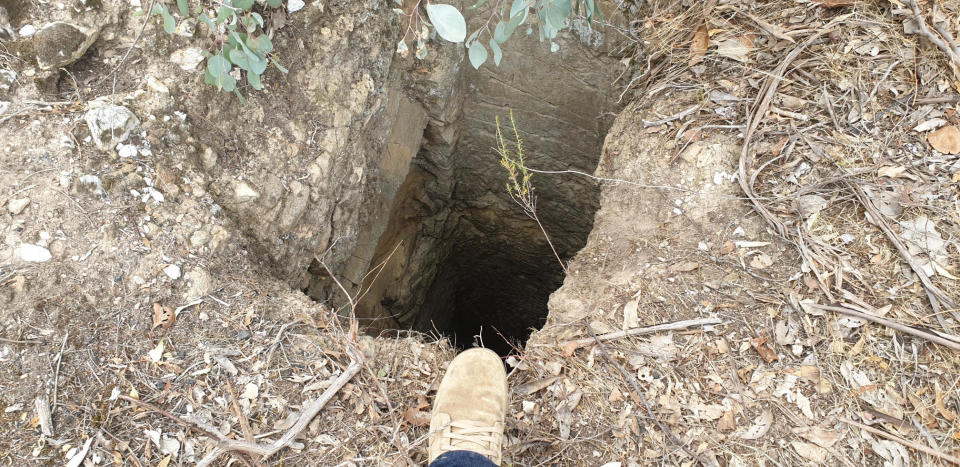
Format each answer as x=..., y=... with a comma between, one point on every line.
x=375, y=153
x=460, y=254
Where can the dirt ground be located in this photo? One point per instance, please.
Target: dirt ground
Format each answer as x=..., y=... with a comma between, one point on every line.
x=778, y=169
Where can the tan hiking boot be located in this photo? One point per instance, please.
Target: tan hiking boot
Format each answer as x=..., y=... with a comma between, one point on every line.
x=470, y=406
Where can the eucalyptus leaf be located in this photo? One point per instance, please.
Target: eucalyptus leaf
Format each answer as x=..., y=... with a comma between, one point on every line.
x=261, y=44
x=477, y=54
x=258, y=64
x=240, y=59
x=257, y=17
x=556, y=13
x=208, y=21
x=218, y=65
x=244, y=5
x=279, y=66
x=472, y=37
x=184, y=8
x=254, y=80
x=504, y=30
x=519, y=6
x=275, y=3
x=224, y=81
x=448, y=21
x=497, y=53
x=224, y=14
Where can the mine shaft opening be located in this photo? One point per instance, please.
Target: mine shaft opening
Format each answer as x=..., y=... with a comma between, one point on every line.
x=445, y=250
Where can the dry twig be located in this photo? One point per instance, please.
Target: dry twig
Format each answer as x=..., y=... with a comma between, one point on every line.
x=642, y=331
x=903, y=441
x=935, y=293
x=309, y=411
x=946, y=340
x=945, y=43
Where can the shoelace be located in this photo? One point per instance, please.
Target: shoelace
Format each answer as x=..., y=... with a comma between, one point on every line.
x=483, y=439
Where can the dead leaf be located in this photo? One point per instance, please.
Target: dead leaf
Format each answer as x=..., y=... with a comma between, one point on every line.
x=727, y=247
x=416, y=417
x=630, y=317
x=727, y=422
x=615, y=396
x=779, y=146
x=945, y=140
x=526, y=389
x=761, y=425
x=699, y=45
x=823, y=437
x=569, y=348
x=692, y=135
x=766, y=353
x=835, y=3
x=736, y=48
x=163, y=319
x=685, y=266
x=810, y=452
x=948, y=414
x=166, y=461
x=894, y=172
x=761, y=261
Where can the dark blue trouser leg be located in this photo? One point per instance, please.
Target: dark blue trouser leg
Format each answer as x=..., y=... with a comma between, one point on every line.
x=462, y=459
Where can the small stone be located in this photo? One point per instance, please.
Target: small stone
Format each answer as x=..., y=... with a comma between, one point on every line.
x=295, y=5
x=188, y=58
x=110, y=125
x=4, y=105
x=34, y=253
x=7, y=78
x=172, y=271
x=27, y=31
x=92, y=183
x=201, y=283
x=60, y=44
x=199, y=238
x=126, y=150
x=16, y=206
x=186, y=28
x=244, y=193
x=242, y=335
x=6, y=29
x=208, y=158
x=155, y=85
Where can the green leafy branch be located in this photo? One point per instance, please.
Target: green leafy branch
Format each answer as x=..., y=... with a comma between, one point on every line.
x=548, y=16
x=519, y=184
x=244, y=47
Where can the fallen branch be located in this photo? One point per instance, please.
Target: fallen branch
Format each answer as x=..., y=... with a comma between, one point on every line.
x=948, y=341
x=642, y=331
x=225, y=445
x=903, y=441
x=309, y=411
x=946, y=43
x=676, y=116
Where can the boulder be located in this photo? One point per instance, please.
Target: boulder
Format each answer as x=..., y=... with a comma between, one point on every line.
x=59, y=44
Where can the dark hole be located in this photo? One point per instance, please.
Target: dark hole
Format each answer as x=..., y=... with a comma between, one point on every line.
x=491, y=293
